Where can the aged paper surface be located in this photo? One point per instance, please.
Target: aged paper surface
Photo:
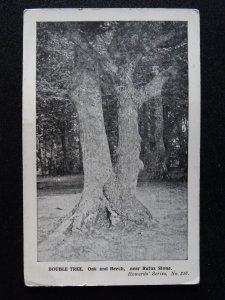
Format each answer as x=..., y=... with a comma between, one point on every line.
x=111, y=146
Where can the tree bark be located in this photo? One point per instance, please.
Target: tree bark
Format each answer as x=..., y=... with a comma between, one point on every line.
x=121, y=188
x=51, y=159
x=93, y=209
x=128, y=161
x=63, y=137
x=39, y=155
x=109, y=197
x=160, y=147
x=158, y=153
x=145, y=133
x=80, y=167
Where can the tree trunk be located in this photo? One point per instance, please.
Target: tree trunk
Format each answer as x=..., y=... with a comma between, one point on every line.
x=93, y=209
x=121, y=188
x=109, y=197
x=157, y=164
x=145, y=133
x=80, y=167
x=159, y=142
x=63, y=138
x=45, y=158
x=51, y=159
x=129, y=163
x=39, y=155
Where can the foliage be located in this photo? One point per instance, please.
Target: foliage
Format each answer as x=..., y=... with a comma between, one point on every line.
x=58, y=149
x=58, y=142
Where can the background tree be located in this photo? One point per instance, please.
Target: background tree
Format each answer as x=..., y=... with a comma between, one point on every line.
x=58, y=151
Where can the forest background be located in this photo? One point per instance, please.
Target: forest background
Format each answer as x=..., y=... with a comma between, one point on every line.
x=163, y=121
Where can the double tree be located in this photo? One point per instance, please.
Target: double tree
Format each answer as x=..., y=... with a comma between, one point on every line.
x=108, y=54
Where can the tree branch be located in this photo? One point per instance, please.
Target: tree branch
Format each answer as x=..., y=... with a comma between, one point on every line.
x=154, y=87
x=162, y=39
x=133, y=63
x=102, y=58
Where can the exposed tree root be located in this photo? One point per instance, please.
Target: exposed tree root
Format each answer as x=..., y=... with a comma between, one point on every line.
x=101, y=214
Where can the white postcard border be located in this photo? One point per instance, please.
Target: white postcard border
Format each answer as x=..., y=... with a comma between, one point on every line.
x=36, y=273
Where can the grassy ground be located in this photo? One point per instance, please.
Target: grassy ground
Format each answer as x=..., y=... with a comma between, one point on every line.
x=165, y=240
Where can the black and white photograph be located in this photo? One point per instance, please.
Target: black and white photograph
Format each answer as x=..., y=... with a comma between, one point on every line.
x=115, y=178
x=112, y=140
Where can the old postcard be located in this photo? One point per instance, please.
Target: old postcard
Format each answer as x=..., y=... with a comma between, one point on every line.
x=111, y=146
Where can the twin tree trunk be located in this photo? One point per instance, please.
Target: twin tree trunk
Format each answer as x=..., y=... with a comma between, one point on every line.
x=109, y=195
